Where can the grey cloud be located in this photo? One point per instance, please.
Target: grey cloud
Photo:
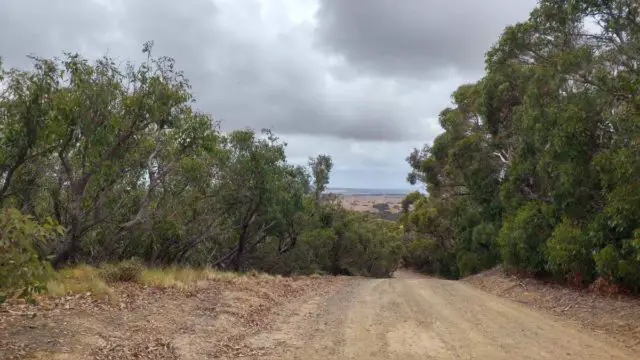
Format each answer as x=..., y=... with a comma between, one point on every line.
x=247, y=78
x=416, y=37
x=46, y=28
x=252, y=66
x=249, y=74
x=242, y=72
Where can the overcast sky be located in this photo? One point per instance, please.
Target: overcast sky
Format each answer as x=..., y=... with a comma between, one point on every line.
x=362, y=81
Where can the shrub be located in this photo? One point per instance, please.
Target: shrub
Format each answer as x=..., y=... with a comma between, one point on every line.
x=622, y=265
x=607, y=261
x=126, y=271
x=309, y=256
x=426, y=255
x=616, y=234
x=381, y=207
x=369, y=246
x=469, y=263
x=569, y=254
x=523, y=237
x=354, y=244
x=481, y=254
x=23, y=272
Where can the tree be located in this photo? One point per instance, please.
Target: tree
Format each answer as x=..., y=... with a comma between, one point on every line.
x=27, y=127
x=119, y=157
x=253, y=169
x=540, y=158
x=321, y=167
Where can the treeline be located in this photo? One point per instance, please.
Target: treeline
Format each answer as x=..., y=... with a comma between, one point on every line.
x=539, y=163
x=101, y=163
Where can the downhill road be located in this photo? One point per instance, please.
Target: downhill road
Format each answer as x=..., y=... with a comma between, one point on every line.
x=413, y=317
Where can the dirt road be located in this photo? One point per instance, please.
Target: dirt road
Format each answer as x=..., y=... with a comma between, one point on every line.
x=411, y=317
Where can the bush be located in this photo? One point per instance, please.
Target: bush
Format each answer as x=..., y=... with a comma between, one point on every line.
x=425, y=255
x=622, y=265
x=482, y=254
x=126, y=271
x=369, y=246
x=522, y=239
x=352, y=243
x=382, y=207
x=469, y=263
x=309, y=256
x=616, y=234
x=569, y=254
x=23, y=272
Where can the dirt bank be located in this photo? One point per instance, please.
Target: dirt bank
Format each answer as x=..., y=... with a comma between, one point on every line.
x=616, y=316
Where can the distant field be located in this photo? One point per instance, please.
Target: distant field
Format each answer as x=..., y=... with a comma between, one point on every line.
x=387, y=206
x=383, y=202
x=369, y=192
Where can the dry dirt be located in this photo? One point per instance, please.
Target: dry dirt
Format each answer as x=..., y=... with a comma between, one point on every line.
x=414, y=317
x=152, y=323
x=617, y=316
x=407, y=317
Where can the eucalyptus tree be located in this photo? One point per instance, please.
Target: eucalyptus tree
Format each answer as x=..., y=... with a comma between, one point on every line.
x=540, y=158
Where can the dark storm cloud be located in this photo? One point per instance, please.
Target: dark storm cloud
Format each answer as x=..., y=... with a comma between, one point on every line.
x=416, y=37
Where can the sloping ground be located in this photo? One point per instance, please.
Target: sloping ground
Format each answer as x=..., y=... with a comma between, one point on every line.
x=151, y=323
x=616, y=316
x=415, y=317
x=265, y=317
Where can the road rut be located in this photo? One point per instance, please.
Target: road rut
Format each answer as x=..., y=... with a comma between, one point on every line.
x=413, y=317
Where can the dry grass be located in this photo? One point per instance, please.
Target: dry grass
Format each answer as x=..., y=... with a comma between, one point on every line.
x=79, y=279
x=183, y=278
x=83, y=279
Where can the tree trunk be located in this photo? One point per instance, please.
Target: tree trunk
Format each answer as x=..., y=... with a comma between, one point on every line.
x=238, y=260
x=68, y=252
x=336, y=250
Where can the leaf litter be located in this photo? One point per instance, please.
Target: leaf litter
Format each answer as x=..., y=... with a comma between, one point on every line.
x=145, y=322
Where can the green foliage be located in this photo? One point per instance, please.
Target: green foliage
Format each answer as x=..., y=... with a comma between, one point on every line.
x=570, y=253
x=621, y=264
x=480, y=253
x=426, y=255
x=369, y=246
x=320, y=166
x=23, y=272
x=550, y=132
x=352, y=244
x=522, y=239
x=381, y=206
x=311, y=254
x=120, y=158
